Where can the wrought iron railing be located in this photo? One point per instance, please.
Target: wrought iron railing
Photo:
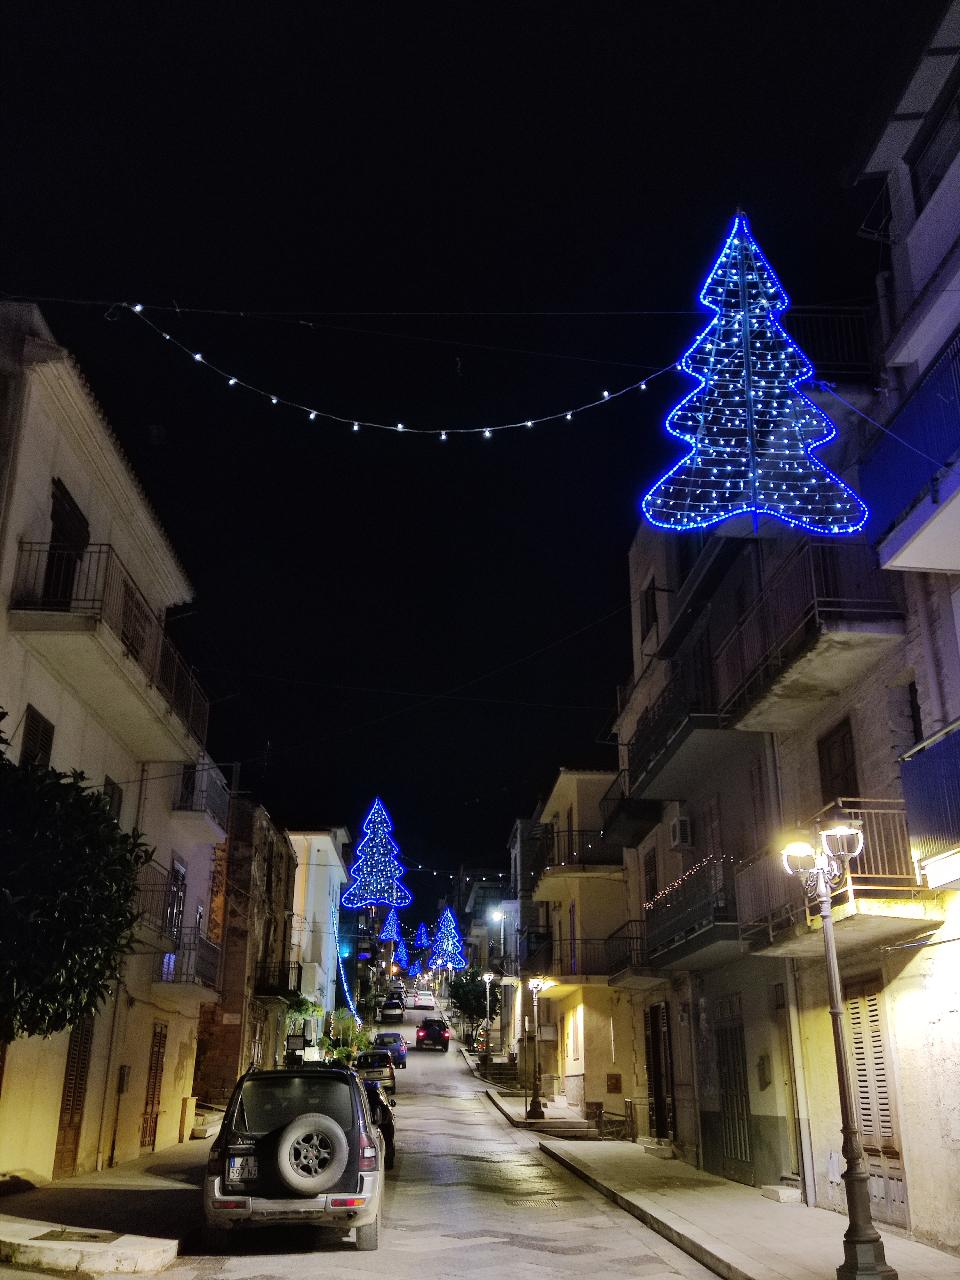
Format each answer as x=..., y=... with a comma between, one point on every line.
x=931, y=786
x=581, y=848
x=279, y=978
x=95, y=583
x=627, y=947
x=195, y=962
x=158, y=901
x=818, y=584
x=893, y=478
x=689, y=692
x=572, y=957
x=614, y=796
x=768, y=899
x=203, y=789
x=704, y=895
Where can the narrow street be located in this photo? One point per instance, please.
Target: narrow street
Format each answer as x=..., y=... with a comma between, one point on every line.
x=469, y=1195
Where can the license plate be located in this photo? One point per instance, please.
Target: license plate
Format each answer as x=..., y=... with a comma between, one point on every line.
x=241, y=1168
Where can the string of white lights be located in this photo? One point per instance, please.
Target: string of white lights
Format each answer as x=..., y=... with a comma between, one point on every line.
x=356, y=424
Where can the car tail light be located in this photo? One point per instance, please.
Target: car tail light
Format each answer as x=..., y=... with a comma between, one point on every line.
x=369, y=1154
x=420, y=1033
x=348, y=1202
x=446, y=1035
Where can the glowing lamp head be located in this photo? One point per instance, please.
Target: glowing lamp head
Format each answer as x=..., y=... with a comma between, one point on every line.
x=798, y=855
x=488, y=977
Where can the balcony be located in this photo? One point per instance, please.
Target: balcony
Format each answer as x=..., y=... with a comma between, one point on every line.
x=820, y=622
x=574, y=962
x=627, y=958
x=678, y=736
x=563, y=852
x=201, y=804
x=692, y=924
x=880, y=902
x=930, y=775
x=86, y=619
x=195, y=963
x=626, y=819
x=909, y=482
x=279, y=980
x=158, y=903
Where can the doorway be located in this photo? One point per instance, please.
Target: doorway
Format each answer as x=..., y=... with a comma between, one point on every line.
x=72, y=1099
x=737, y=1158
x=69, y=539
x=151, y=1106
x=659, y=1056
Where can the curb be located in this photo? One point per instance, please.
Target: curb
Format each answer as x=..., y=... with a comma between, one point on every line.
x=22, y=1244
x=698, y=1244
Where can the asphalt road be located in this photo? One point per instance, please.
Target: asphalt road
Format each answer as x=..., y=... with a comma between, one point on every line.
x=469, y=1196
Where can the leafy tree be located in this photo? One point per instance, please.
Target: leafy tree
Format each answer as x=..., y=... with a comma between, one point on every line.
x=68, y=875
x=468, y=996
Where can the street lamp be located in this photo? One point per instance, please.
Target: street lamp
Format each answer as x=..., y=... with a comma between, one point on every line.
x=822, y=870
x=487, y=979
x=500, y=916
x=536, y=985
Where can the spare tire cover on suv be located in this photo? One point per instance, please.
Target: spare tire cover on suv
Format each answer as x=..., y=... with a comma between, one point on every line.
x=312, y=1153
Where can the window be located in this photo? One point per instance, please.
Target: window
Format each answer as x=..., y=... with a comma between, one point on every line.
x=936, y=147
x=648, y=609
x=268, y=1104
x=650, y=884
x=37, y=739
x=114, y=794
x=711, y=844
x=838, y=764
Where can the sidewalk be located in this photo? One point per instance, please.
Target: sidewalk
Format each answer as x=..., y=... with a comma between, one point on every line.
x=730, y=1228
x=40, y=1227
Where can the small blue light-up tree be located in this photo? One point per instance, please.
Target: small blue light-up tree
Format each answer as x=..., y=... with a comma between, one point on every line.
x=422, y=938
x=415, y=970
x=376, y=872
x=391, y=927
x=401, y=956
x=447, y=945
x=749, y=427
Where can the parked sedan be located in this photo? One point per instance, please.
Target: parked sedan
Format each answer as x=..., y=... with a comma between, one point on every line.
x=391, y=1010
x=394, y=1044
x=377, y=1064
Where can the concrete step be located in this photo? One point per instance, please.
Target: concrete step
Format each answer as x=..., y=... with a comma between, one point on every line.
x=568, y=1132
x=662, y=1150
x=51, y=1246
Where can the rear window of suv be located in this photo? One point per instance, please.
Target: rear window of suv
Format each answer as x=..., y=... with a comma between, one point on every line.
x=390, y=1037
x=269, y=1103
x=366, y=1061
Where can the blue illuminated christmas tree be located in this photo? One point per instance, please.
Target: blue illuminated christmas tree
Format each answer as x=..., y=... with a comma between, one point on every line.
x=415, y=970
x=391, y=927
x=447, y=945
x=749, y=427
x=401, y=956
x=422, y=938
x=376, y=872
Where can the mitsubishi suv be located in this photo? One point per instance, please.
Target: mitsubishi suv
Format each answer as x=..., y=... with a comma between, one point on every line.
x=297, y=1147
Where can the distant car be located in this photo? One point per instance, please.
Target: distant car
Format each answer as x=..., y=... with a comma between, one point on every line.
x=391, y=1010
x=424, y=1000
x=297, y=1147
x=410, y=1000
x=377, y=1064
x=433, y=1032
x=394, y=1044
x=381, y=1111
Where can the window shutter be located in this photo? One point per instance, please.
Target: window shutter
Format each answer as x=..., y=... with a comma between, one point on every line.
x=871, y=1077
x=37, y=739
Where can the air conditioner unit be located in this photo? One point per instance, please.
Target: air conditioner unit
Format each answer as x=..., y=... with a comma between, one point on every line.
x=679, y=832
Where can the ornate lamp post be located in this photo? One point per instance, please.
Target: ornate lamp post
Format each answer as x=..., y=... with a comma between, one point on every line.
x=487, y=979
x=822, y=869
x=535, y=1109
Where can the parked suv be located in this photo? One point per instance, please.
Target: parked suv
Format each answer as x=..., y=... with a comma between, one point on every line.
x=435, y=1032
x=297, y=1147
x=391, y=1010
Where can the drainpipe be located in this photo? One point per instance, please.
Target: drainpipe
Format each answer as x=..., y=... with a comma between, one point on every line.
x=141, y=797
x=800, y=1085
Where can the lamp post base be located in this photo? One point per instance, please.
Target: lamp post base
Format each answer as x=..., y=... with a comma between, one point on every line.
x=865, y=1260
x=535, y=1110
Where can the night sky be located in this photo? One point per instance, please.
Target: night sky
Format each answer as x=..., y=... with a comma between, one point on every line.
x=436, y=188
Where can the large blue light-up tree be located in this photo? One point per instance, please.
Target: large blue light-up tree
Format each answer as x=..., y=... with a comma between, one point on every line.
x=749, y=427
x=447, y=945
x=377, y=871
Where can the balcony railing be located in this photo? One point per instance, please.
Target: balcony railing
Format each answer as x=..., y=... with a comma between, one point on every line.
x=819, y=584
x=580, y=849
x=894, y=478
x=627, y=947
x=196, y=962
x=768, y=899
x=158, y=901
x=96, y=584
x=279, y=978
x=575, y=957
x=689, y=693
x=203, y=789
x=703, y=896
x=931, y=787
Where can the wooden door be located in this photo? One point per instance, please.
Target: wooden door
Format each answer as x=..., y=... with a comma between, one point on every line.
x=876, y=1103
x=659, y=1055
x=151, y=1106
x=72, y=1099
